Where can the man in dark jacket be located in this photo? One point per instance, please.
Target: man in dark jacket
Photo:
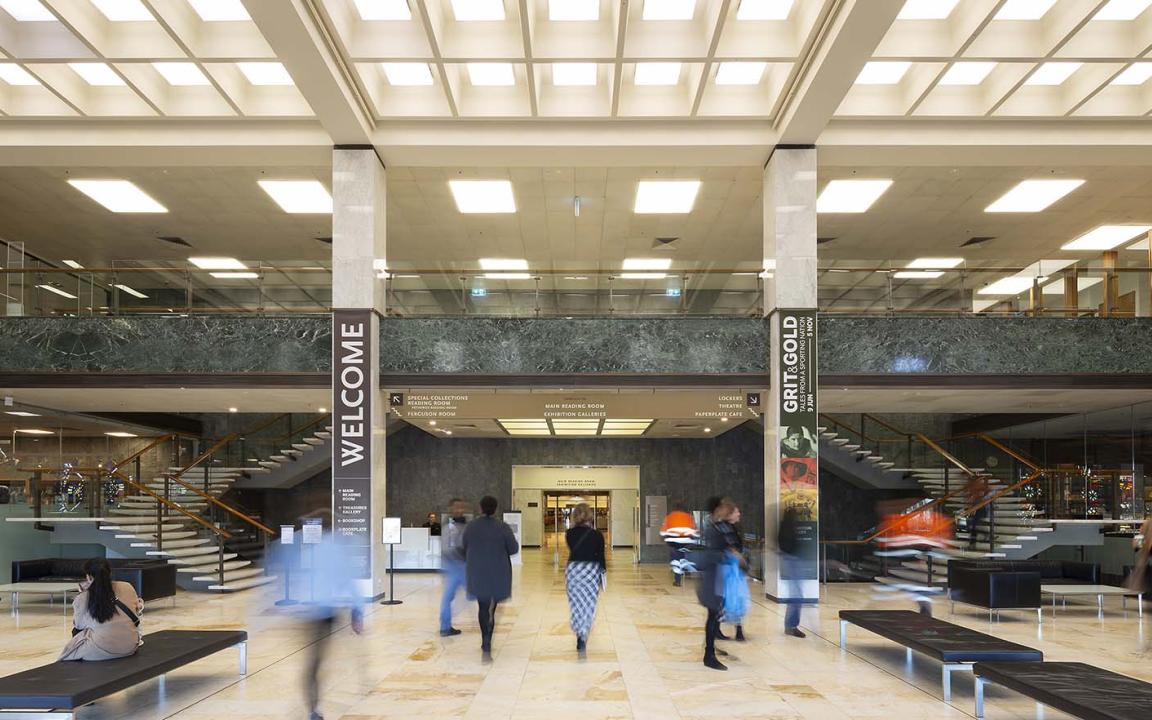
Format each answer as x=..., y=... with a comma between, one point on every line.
x=788, y=543
x=488, y=547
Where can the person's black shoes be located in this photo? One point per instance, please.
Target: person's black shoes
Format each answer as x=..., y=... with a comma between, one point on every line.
x=711, y=662
x=740, y=634
x=486, y=656
x=677, y=580
x=450, y=632
x=721, y=636
x=794, y=632
x=581, y=644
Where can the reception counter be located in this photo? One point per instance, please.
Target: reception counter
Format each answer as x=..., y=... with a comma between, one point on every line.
x=418, y=551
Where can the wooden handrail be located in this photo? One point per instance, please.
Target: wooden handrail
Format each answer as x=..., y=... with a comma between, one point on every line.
x=223, y=505
x=169, y=504
x=1007, y=450
x=146, y=448
x=886, y=425
x=921, y=437
x=208, y=453
x=309, y=426
x=857, y=433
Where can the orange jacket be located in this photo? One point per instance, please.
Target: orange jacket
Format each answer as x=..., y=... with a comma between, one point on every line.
x=678, y=526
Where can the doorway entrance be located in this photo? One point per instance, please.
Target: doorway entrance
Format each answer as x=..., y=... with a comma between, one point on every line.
x=558, y=508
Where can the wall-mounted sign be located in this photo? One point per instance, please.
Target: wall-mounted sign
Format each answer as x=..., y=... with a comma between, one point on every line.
x=432, y=405
x=352, y=363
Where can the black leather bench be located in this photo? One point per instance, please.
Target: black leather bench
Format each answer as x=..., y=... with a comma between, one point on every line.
x=1081, y=690
x=955, y=646
x=55, y=691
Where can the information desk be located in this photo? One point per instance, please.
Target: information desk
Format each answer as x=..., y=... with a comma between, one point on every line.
x=418, y=551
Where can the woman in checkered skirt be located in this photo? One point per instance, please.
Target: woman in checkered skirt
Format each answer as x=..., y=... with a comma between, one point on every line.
x=585, y=574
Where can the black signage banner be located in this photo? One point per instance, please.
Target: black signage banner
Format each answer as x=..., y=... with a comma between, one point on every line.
x=799, y=435
x=352, y=365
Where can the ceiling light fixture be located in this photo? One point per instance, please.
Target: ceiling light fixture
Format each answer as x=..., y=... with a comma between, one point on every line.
x=927, y=9
x=121, y=434
x=131, y=291
x=478, y=10
x=647, y=263
x=491, y=74
x=764, y=9
x=967, y=73
x=119, y=196
x=1106, y=237
x=180, y=74
x=882, y=72
x=917, y=274
x=265, y=73
x=657, y=73
x=235, y=275
x=123, y=10
x=573, y=10
x=35, y=431
x=1135, y=74
x=56, y=290
x=740, y=73
x=232, y=410
x=1052, y=73
x=27, y=11
x=850, y=196
x=1122, y=10
x=582, y=74
x=933, y=263
x=97, y=74
x=483, y=196
x=1007, y=286
x=669, y=9
x=73, y=264
x=217, y=263
x=220, y=10
x=299, y=197
x=1033, y=196
x=21, y=413
x=1024, y=9
x=665, y=197
x=407, y=73
x=383, y=9
x=503, y=264
x=16, y=75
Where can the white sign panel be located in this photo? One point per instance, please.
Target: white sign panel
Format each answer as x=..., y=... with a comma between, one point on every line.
x=515, y=521
x=312, y=532
x=390, y=531
x=287, y=535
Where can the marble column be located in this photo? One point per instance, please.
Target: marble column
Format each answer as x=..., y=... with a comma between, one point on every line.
x=358, y=295
x=791, y=442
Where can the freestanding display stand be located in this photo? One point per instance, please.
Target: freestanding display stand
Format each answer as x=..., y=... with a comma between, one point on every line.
x=390, y=536
x=287, y=537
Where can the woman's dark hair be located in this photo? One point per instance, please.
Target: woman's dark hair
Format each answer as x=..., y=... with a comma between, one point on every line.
x=488, y=505
x=101, y=596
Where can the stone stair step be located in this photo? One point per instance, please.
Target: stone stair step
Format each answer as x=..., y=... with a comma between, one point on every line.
x=192, y=552
x=314, y=441
x=180, y=535
x=174, y=544
x=138, y=527
x=304, y=447
x=245, y=584
x=269, y=464
x=229, y=575
x=186, y=559
x=324, y=434
x=213, y=567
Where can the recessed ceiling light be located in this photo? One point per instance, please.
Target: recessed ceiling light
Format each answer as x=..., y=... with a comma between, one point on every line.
x=647, y=263
x=1007, y=286
x=665, y=196
x=882, y=72
x=217, y=263
x=503, y=264
x=1024, y=9
x=123, y=10
x=1033, y=195
x=16, y=75
x=483, y=196
x=573, y=10
x=1122, y=10
x=657, y=73
x=918, y=274
x=764, y=9
x=320, y=409
x=96, y=74
x=1134, y=74
x=21, y=413
x=181, y=73
x=1106, y=237
x=383, y=9
x=1082, y=284
x=491, y=73
x=478, y=10
x=27, y=11
x=1052, y=73
x=235, y=275
x=407, y=73
x=34, y=431
x=967, y=73
x=614, y=431
x=850, y=196
x=927, y=9
x=740, y=73
x=299, y=196
x=642, y=276
x=669, y=9
x=232, y=409
x=73, y=264
x=934, y=263
x=529, y=432
x=265, y=73
x=220, y=10
x=132, y=291
x=119, y=196
x=57, y=291
x=574, y=73
x=120, y=434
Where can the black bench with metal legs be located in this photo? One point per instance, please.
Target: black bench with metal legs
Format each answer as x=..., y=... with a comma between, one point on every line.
x=1081, y=690
x=956, y=647
x=54, y=692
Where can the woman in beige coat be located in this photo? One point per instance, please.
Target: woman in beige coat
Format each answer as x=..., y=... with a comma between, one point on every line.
x=106, y=617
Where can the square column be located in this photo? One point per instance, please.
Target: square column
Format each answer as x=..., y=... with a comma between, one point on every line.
x=358, y=408
x=791, y=437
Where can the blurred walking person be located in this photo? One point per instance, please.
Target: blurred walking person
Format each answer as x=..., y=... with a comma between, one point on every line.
x=680, y=534
x=584, y=576
x=788, y=543
x=488, y=546
x=977, y=491
x=709, y=589
x=739, y=573
x=452, y=562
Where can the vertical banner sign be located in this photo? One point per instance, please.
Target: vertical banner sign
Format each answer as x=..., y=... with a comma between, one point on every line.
x=799, y=436
x=352, y=435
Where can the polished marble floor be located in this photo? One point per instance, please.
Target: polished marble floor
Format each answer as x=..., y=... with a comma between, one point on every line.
x=643, y=659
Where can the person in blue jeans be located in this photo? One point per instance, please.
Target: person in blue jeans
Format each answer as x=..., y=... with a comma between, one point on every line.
x=452, y=562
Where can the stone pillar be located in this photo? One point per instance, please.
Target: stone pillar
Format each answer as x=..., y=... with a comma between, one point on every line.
x=358, y=408
x=791, y=442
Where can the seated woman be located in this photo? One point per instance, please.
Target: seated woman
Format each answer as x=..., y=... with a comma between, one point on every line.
x=106, y=617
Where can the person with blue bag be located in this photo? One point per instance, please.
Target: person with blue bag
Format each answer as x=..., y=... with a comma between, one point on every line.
x=711, y=587
x=734, y=574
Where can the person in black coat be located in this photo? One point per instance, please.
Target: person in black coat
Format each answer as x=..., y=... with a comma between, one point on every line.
x=488, y=547
x=715, y=544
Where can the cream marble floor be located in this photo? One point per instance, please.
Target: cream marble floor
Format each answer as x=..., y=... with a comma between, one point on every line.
x=643, y=659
